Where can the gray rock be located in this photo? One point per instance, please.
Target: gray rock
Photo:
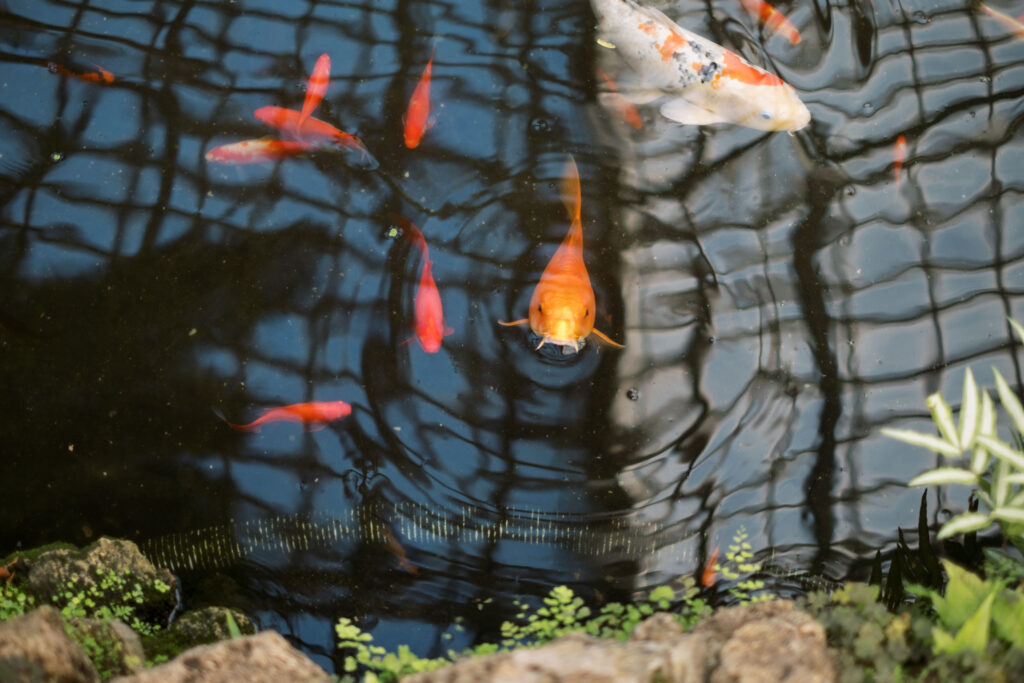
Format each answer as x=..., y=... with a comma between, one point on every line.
x=208, y=625
x=50, y=573
x=112, y=646
x=263, y=658
x=34, y=647
x=746, y=644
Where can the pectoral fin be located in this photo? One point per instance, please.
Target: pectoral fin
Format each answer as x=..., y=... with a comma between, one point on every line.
x=686, y=112
x=521, y=321
x=603, y=337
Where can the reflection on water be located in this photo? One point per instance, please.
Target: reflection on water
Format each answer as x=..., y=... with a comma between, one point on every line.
x=781, y=297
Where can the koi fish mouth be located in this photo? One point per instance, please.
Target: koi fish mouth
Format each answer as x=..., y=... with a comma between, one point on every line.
x=548, y=339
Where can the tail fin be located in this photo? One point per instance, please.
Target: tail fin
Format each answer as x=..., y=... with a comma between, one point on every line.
x=238, y=428
x=316, y=88
x=571, y=195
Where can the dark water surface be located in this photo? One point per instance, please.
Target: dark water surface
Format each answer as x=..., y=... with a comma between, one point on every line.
x=781, y=297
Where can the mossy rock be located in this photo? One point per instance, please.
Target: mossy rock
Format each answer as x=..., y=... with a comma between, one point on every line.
x=113, y=648
x=110, y=570
x=195, y=627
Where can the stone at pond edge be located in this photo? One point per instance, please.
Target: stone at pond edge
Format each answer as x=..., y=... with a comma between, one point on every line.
x=208, y=625
x=112, y=646
x=49, y=573
x=34, y=647
x=769, y=642
x=263, y=658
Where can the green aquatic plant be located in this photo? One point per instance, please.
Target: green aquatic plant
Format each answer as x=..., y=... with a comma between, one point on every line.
x=975, y=611
x=739, y=563
x=992, y=467
x=14, y=602
x=561, y=612
x=112, y=596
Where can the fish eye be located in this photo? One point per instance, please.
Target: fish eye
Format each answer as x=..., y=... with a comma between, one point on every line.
x=586, y=312
x=540, y=309
x=766, y=115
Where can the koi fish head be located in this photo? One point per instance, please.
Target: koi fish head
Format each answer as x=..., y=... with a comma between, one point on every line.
x=562, y=315
x=758, y=99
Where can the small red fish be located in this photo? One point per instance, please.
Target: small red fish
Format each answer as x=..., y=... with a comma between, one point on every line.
x=417, y=116
x=316, y=88
x=257, y=151
x=314, y=415
x=288, y=121
x=772, y=19
x=625, y=108
x=396, y=549
x=562, y=306
x=429, y=317
x=899, y=155
x=100, y=75
x=708, y=576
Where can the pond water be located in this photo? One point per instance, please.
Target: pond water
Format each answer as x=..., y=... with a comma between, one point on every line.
x=781, y=298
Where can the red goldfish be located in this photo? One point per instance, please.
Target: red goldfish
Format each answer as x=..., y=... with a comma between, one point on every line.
x=316, y=88
x=314, y=416
x=429, y=322
x=562, y=307
x=899, y=155
x=289, y=121
x=257, y=151
x=707, y=577
x=625, y=108
x=100, y=75
x=417, y=116
x=772, y=19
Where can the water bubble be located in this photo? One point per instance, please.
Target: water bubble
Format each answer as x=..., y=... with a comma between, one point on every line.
x=920, y=17
x=712, y=339
x=850, y=191
x=56, y=156
x=985, y=79
x=633, y=394
x=540, y=125
x=973, y=113
x=868, y=107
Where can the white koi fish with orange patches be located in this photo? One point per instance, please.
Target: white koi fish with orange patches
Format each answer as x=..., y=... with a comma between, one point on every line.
x=705, y=82
x=562, y=306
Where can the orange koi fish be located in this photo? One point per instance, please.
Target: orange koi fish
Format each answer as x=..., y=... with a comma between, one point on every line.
x=1015, y=25
x=417, y=116
x=316, y=88
x=288, y=121
x=314, y=416
x=429, y=321
x=257, y=151
x=773, y=19
x=708, y=576
x=396, y=549
x=100, y=75
x=625, y=108
x=899, y=155
x=562, y=307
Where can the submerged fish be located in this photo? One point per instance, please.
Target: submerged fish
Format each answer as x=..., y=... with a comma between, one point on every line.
x=289, y=122
x=710, y=573
x=314, y=415
x=417, y=116
x=899, y=155
x=773, y=19
x=257, y=151
x=562, y=306
x=316, y=88
x=1014, y=25
x=429, y=322
x=619, y=103
x=704, y=82
x=99, y=75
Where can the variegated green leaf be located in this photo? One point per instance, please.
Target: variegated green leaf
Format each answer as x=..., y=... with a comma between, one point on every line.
x=985, y=499
x=1000, y=487
x=986, y=427
x=969, y=411
x=932, y=443
x=943, y=418
x=1008, y=514
x=944, y=475
x=1017, y=328
x=964, y=524
x=1010, y=402
x=1003, y=451
x=1015, y=478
